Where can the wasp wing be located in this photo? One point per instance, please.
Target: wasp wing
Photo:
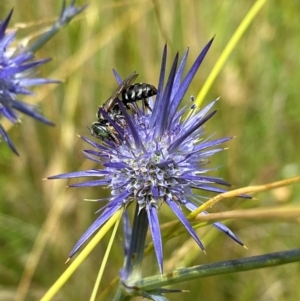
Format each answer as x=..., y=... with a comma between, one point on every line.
x=109, y=104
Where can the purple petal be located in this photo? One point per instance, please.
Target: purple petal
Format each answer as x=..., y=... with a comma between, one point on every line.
x=156, y=236
x=164, y=163
x=95, y=153
x=190, y=75
x=117, y=76
x=160, y=87
x=177, y=142
x=210, y=152
x=26, y=82
x=193, y=119
x=155, y=192
x=9, y=113
x=78, y=174
x=92, y=183
x=7, y=140
x=92, y=158
x=184, y=221
x=131, y=126
x=23, y=57
x=107, y=214
x=120, y=198
x=4, y=24
x=205, y=179
x=5, y=42
x=117, y=165
x=177, y=80
x=95, y=145
x=29, y=110
x=191, y=206
x=211, y=143
x=176, y=101
x=11, y=71
x=228, y=232
x=163, y=103
x=127, y=232
x=208, y=188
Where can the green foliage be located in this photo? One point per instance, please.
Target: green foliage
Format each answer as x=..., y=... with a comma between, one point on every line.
x=259, y=104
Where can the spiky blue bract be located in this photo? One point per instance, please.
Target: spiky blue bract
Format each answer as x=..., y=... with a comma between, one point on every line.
x=160, y=158
x=16, y=67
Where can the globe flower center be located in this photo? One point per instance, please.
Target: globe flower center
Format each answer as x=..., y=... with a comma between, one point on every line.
x=150, y=172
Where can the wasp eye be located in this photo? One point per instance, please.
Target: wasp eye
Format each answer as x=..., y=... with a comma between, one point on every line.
x=99, y=131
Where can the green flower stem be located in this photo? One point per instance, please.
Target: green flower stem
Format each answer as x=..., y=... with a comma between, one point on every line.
x=67, y=14
x=121, y=295
x=219, y=268
x=133, y=261
x=45, y=37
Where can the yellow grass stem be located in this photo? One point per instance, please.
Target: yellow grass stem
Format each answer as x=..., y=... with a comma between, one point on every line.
x=228, y=49
x=104, y=261
x=245, y=190
x=81, y=257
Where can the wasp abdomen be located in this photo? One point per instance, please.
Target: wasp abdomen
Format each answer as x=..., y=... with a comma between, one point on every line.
x=137, y=92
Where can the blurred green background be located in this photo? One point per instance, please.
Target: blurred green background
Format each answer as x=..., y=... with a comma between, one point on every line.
x=259, y=89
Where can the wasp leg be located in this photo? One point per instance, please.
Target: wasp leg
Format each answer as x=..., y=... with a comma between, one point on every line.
x=130, y=107
x=115, y=139
x=113, y=135
x=146, y=103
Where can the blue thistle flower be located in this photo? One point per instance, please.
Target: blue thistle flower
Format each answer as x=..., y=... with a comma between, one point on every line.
x=16, y=66
x=159, y=159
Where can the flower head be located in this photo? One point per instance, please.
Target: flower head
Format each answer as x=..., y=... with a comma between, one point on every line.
x=159, y=157
x=16, y=67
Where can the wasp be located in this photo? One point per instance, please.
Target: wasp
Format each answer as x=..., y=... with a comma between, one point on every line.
x=129, y=93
